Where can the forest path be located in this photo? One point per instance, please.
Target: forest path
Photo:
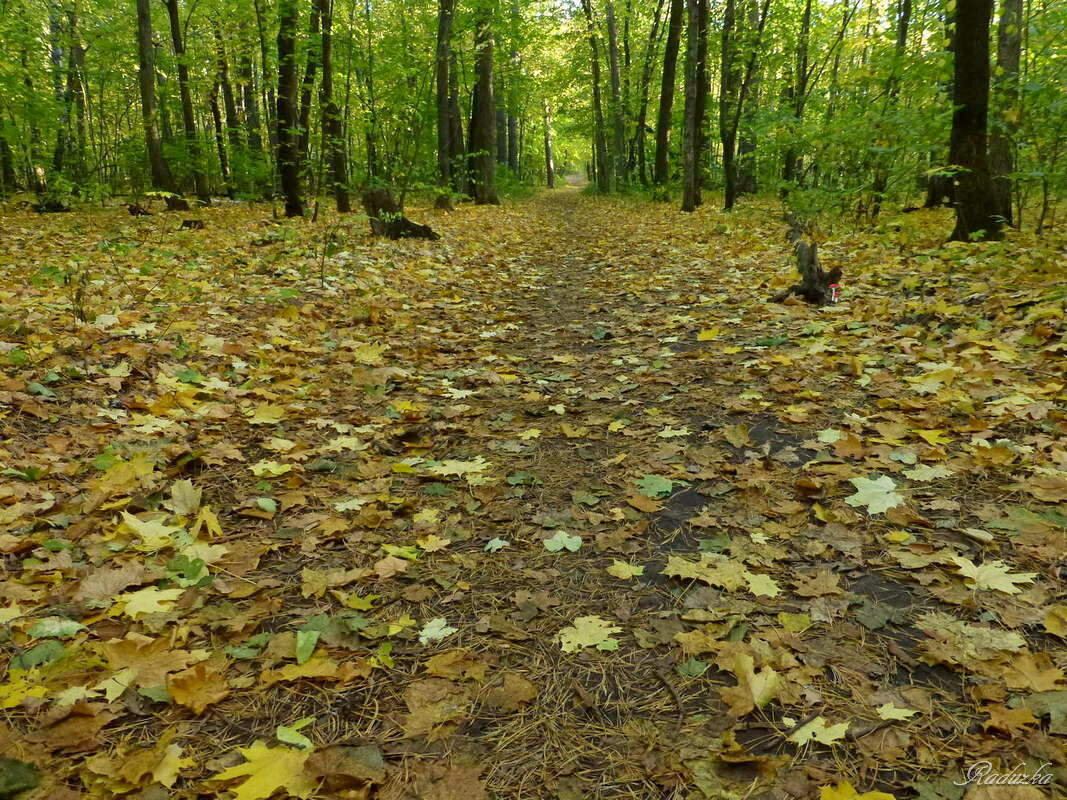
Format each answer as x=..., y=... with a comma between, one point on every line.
x=554, y=507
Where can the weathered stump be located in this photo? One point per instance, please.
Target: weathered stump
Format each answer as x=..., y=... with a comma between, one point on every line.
x=387, y=218
x=815, y=283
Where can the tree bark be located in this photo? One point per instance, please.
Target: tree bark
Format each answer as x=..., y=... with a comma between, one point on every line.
x=618, y=113
x=333, y=146
x=666, y=94
x=550, y=167
x=456, y=151
x=288, y=122
x=695, y=94
x=483, y=118
x=638, y=156
x=308, y=83
x=977, y=214
x=220, y=134
x=605, y=177
x=445, y=12
x=248, y=92
x=734, y=91
x=798, y=92
x=881, y=173
x=1002, y=142
x=146, y=80
x=188, y=120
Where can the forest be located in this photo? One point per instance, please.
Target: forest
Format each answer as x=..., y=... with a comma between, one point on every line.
x=533, y=399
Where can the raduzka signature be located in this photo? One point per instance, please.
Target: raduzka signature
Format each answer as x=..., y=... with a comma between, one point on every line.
x=981, y=773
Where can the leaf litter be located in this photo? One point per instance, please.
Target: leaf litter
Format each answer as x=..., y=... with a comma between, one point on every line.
x=554, y=507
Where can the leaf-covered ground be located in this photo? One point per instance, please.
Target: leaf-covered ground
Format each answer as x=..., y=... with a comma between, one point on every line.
x=556, y=507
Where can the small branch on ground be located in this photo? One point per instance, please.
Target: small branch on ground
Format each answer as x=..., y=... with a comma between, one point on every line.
x=815, y=283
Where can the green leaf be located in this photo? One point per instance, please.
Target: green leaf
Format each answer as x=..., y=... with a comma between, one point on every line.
x=55, y=628
x=17, y=776
x=305, y=645
x=563, y=540
x=290, y=734
x=655, y=486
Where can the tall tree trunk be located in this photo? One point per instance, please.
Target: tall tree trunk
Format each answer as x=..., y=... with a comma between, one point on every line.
x=881, y=172
x=265, y=77
x=146, y=80
x=550, y=167
x=220, y=135
x=1002, y=142
x=333, y=147
x=288, y=122
x=666, y=94
x=246, y=76
x=483, y=118
x=605, y=177
x=798, y=92
x=735, y=87
x=695, y=98
x=638, y=148
x=746, y=145
x=456, y=151
x=63, y=99
x=445, y=12
x=77, y=89
x=188, y=120
x=501, y=133
x=514, y=143
x=618, y=113
x=308, y=83
x=977, y=213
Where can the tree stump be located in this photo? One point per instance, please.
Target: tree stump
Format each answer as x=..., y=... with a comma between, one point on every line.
x=815, y=283
x=387, y=218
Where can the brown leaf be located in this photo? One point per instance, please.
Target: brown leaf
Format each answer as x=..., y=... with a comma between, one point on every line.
x=199, y=686
x=515, y=691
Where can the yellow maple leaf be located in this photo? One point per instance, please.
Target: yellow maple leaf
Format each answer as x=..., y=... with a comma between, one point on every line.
x=819, y=730
x=708, y=334
x=266, y=414
x=267, y=770
x=624, y=571
x=154, y=535
x=992, y=575
x=149, y=601
x=19, y=688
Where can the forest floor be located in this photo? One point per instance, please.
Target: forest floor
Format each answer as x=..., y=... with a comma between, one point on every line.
x=556, y=507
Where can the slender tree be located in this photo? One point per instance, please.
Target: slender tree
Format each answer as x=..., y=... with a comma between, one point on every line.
x=1005, y=129
x=192, y=141
x=550, y=167
x=146, y=80
x=695, y=97
x=618, y=113
x=483, y=116
x=977, y=211
x=442, y=61
x=605, y=176
x=288, y=122
x=333, y=146
x=666, y=94
x=637, y=156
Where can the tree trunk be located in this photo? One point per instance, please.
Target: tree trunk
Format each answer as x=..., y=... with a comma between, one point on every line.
x=387, y=217
x=735, y=87
x=233, y=129
x=695, y=94
x=977, y=214
x=220, y=135
x=604, y=175
x=501, y=133
x=550, y=167
x=483, y=118
x=445, y=12
x=288, y=123
x=248, y=92
x=308, y=83
x=798, y=92
x=728, y=80
x=637, y=146
x=333, y=147
x=456, y=151
x=1002, y=142
x=146, y=79
x=618, y=113
x=666, y=94
x=881, y=172
x=188, y=120
x=746, y=145
x=514, y=144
